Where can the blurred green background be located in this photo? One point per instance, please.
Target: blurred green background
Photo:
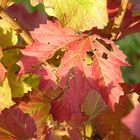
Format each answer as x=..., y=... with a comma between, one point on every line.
x=130, y=45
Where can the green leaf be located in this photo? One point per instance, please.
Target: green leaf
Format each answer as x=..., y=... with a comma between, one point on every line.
x=10, y=58
x=81, y=15
x=23, y=85
x=5, y=96
x=8, y=36
x=31, y=79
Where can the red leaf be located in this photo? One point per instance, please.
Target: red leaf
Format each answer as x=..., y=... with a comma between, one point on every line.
x=38, y=108
x=132, y=121
x=108, y=124
x=28, y=20
x=130, y=88
x=19, y=125
x=76, y=77
x=47, y=77
x=48, y=39
x=75, y=134
x=98, y=75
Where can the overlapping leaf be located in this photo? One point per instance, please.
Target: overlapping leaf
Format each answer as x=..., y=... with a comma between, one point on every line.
x=81, y=15
x=97, y=75
x=38, y=107
x=48, y=39
x=76, y=77
x=23, y=85
x=28, y=20
x=93, y=104
x=15, y=124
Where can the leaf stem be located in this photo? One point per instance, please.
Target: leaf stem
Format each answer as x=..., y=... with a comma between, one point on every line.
x=25, y=35
x=84, y=130
x=119, y=19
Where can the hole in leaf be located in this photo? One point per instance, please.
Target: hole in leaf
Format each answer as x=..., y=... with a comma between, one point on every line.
x=105, y=56
x=107, y=46
x=89, y=58
x=56, y=58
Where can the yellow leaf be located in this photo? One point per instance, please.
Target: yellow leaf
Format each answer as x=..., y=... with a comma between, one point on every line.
x=8, y=36
x=5, y=96
x=81, y=15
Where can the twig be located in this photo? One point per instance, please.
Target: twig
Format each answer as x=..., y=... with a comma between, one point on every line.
x=13, y=47
x=4, y=4
x=119, y=19
x=25, y=36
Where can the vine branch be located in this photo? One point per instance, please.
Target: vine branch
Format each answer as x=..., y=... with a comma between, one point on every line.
x=25, y=36
x=119, y=19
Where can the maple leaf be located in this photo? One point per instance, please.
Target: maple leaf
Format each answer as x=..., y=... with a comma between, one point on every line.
x=5, y=96
x=26, y=18
x=51, y=37
x=71, y=13
x=15, y=124
x=132, y=121
x=77, y=75
x=48, y=39
x=97, y=75
x=78, y=78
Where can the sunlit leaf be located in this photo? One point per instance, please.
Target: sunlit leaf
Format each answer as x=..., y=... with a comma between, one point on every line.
x=8, y=36
x=81, y=15
x=5, y=96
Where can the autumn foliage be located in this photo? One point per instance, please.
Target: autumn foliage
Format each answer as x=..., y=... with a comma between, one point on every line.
x=60, y=70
